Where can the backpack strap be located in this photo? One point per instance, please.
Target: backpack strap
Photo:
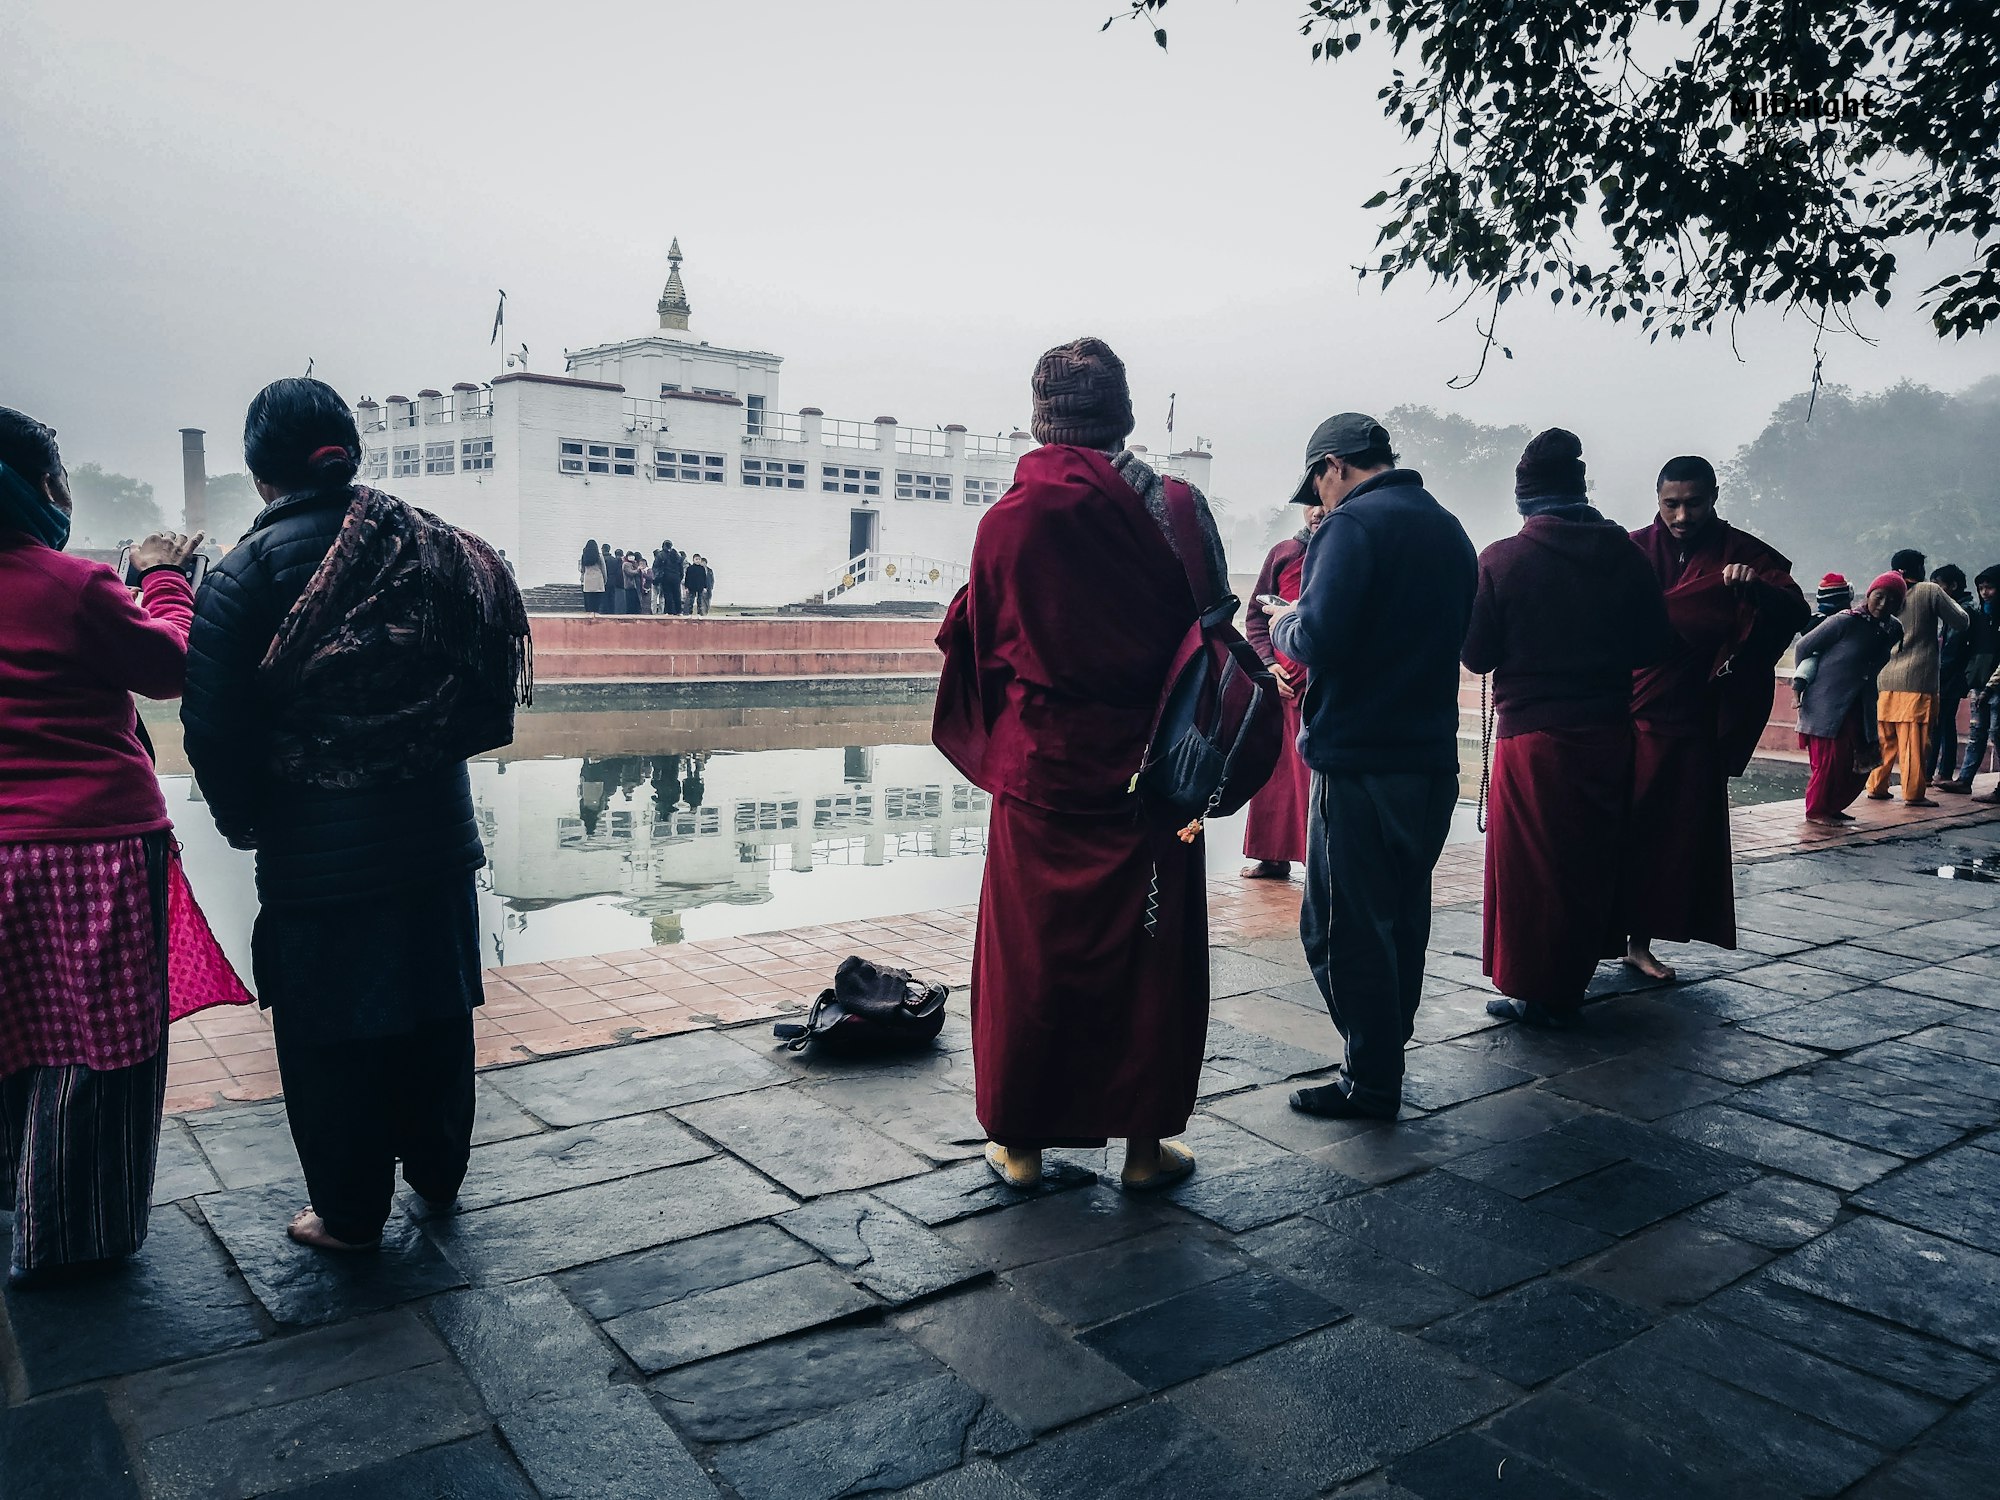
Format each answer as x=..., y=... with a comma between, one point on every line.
x=1184, y=532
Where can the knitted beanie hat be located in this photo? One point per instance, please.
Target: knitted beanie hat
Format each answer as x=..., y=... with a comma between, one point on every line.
x=1551, y=464
x=1835, y=594
x=1081, y=397
x=1892, y=584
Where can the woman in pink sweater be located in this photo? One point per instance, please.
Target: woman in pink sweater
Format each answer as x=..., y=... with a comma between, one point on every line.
x=84, y=858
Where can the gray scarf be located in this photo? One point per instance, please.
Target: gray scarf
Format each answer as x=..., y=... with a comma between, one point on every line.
x=1152, y=490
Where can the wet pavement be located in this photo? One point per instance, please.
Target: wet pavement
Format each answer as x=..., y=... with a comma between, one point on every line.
x=1739, y=1236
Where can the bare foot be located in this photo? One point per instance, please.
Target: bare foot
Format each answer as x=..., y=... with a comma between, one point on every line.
x=1639, y=956
x=1268, y=869
x=308, y=1228
x=1826, y=820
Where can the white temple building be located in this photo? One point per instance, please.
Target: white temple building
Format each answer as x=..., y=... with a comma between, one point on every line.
x=668, y=437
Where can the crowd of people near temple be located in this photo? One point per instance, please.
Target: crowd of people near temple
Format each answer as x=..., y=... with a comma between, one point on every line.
x=349, y=654
x=669, y=582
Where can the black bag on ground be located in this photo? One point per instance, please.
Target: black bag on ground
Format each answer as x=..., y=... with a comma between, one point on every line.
x=870, y=1009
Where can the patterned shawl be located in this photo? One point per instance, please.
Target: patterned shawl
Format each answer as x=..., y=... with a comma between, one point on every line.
x=408, y=650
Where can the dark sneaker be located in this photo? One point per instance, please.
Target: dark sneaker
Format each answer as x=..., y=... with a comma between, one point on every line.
x=1330, y=1101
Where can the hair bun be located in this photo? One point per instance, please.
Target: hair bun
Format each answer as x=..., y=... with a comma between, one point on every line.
x=332, y=455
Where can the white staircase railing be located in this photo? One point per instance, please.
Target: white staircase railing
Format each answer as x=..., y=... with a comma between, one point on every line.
x=897, y=573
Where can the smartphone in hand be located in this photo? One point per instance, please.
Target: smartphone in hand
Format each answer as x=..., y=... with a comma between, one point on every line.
x=1272, y=601
x=196, y=569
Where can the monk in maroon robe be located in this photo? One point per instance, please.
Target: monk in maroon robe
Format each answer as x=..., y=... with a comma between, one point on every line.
x=1697, y=716
x=1090, y=965
x=1567, y=608
x=1274, y=829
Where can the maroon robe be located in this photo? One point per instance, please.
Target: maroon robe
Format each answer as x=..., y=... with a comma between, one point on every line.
x=1090, y=967
x=1566, y=610
x=1275, y=825
x=1697, y=717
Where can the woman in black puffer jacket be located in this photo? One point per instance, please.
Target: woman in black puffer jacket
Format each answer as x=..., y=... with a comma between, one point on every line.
x=366, y=948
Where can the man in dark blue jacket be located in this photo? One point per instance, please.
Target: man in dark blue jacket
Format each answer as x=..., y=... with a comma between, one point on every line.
x=1380, y=621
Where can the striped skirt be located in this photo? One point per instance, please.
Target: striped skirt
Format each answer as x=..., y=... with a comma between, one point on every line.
x=78, y=1144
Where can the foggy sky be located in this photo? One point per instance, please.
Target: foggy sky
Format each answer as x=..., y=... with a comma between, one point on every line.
x=908, y=199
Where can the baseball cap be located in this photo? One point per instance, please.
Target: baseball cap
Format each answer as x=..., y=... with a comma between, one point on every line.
x=1339, y=436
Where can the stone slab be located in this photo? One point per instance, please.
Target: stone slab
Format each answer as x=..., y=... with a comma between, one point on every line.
x=1351, y=1274
x=1469, y=1463
x=607, y=1443
x=1535, y=1163
x=1280, y=1021
x=1047, y=1227
x=1628, y=1196
x=1381, y=1154
x=1449, y=1073
x=475, y=1469
x=1765, y=1447
x=1958, y=1042
x=1800, y=981
x=635, y=1079
x=177, y=1299
x=285, y=1369
x=63, y=1447
x=886, y=1442
x=1262, y=1194
x=1606, y=1454
x=518, y=1240
x=1731, y=999
x=181, y=1170
x=1209, y=1326
x=302, y=1286
x=1539, y=1331
x=733, y=1317
x=1778, y=1213
x=971, y=1188
x=1884, y=1415
x=1640, y=1088
x=1446, y=1251
x=1037, y=1375
x=1782, y=1147
x=931, y=1116
x=978, y=1480
x=1671, y=1265
x=541, y=1368
x=1450, y=1199
x=1862, y=1343
x=1956, y=1194
x=1799, y=1101
x=247, y=1147
x=754, y=1391
x=1267, y=1112
x=802, y=1143
x=668, y=1273
x=1853, y=1020
x=1866, y=1085
x=1262, y=1059
x=1148, y=1452
x=1957, y=1457
x=523, y=1345
x=1734, y=1055
x=1111, y=1280
x=532, y=1166
x=350, y=1427
x=1234, y=973
x=495, y=1117
x=1394, y=1396
x=888, y=1252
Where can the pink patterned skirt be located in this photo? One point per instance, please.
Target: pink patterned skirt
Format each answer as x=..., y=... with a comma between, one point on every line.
x=87, y=945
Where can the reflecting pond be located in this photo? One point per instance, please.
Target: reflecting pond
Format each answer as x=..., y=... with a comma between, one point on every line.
x=613, y=830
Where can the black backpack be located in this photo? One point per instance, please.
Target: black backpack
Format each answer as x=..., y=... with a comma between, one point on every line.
x=1219, y=727
x=870, y=1009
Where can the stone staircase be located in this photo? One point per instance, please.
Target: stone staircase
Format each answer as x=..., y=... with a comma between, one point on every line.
x=671, y=648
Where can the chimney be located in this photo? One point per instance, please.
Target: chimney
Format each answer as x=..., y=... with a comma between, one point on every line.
x=194, y=481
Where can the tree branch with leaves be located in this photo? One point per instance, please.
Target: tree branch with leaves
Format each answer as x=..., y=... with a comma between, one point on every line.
x=1602, y=153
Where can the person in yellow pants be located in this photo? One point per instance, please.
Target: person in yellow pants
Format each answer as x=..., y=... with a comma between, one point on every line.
x=1908, y=709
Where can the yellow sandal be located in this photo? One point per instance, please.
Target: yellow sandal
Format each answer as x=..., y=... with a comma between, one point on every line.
x=1176, y=1165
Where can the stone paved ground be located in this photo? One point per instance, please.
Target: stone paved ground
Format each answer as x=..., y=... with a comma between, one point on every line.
x=1740, y=1237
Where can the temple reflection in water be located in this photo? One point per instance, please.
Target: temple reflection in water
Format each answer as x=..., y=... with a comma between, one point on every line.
x=663, y=835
